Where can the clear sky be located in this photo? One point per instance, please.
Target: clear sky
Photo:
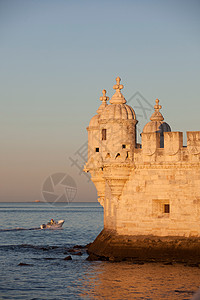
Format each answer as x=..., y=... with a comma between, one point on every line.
x=56, y=56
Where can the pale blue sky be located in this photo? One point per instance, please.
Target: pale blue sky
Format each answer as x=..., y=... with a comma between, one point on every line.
x=57, y=56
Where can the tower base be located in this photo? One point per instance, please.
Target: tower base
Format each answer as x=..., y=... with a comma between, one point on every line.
x=140, y=249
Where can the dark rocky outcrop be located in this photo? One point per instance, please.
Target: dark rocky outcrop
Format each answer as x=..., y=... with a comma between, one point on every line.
x=75, y=252
x=139, y=249
x=24, y=265
x=68, y=257
x=80, y=246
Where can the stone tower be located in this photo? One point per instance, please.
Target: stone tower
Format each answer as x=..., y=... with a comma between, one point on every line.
x=111, y=145
x=149, y=191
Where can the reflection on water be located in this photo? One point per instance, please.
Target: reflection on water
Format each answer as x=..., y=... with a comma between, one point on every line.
x=48, y=276
x=106, y=280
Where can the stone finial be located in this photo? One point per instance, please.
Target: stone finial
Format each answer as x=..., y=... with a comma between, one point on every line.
x=118, y=87
x=157, y=107
x=104, y=98
x=157, y=116
x=118, y=98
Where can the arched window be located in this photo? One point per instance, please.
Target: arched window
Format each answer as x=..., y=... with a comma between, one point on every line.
x=103, y=134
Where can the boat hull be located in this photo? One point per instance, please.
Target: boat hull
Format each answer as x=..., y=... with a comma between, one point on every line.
x=55, y=225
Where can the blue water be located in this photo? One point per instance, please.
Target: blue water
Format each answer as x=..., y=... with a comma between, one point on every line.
x=47, y=275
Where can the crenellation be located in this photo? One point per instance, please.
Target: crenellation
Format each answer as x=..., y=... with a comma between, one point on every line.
x=173, y=142
x=150, y=143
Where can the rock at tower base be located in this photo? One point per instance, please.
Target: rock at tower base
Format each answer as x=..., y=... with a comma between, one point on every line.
x=140, y=249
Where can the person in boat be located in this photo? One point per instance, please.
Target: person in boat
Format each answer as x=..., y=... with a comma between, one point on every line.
x=52, y=221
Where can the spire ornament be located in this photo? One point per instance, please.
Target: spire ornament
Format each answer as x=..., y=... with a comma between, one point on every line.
x=104, y=100
x=118, y=87
x=157, y=107
x=157, y=116
x=118, y=98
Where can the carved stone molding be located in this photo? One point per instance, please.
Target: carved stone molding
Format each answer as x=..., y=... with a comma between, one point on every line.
x=169, y=166
x=193, y=142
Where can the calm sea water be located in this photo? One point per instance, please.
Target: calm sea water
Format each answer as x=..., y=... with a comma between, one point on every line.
x=48, y=276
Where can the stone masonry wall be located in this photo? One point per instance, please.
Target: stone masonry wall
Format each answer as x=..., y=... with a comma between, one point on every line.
x=150, y=191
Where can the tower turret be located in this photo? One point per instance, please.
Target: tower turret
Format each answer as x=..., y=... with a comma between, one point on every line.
x=157, y=124
x=117, y=128
x=111, y=145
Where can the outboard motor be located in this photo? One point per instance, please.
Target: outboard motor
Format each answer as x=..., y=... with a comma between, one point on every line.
x=43, y=226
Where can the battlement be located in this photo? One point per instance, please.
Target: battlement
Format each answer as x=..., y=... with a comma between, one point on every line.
x=193, y=142
x=171, y=147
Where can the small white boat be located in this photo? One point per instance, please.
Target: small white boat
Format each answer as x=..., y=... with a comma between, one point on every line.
x=52, y=225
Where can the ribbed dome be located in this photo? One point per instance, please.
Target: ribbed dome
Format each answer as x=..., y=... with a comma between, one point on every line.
x=118, y=111
x=94, y=121
x=156, y=124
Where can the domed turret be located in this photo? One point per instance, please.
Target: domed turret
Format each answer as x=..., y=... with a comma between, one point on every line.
x=118, y=141
x=111, y=143
x=119, y=109
x=156, y=124
x=118, y=127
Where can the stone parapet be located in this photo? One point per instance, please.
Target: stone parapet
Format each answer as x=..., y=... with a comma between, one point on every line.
x=172, y=149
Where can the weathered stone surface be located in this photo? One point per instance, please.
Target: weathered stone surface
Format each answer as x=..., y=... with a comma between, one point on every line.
x=113, y=247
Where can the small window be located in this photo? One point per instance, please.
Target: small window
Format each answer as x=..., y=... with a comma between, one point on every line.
x=123, y=146
x=97, y=149
x=166, y=208
x=103, y=134
x=160, y=208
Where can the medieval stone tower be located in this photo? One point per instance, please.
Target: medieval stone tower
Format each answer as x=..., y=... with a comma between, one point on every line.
x=152, y=188
x=111, y=144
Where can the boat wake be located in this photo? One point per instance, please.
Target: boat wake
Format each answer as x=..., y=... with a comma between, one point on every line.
x=19, y=229
x=25, y=229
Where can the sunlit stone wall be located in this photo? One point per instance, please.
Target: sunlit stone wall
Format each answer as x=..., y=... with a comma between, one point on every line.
x=147, y=189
